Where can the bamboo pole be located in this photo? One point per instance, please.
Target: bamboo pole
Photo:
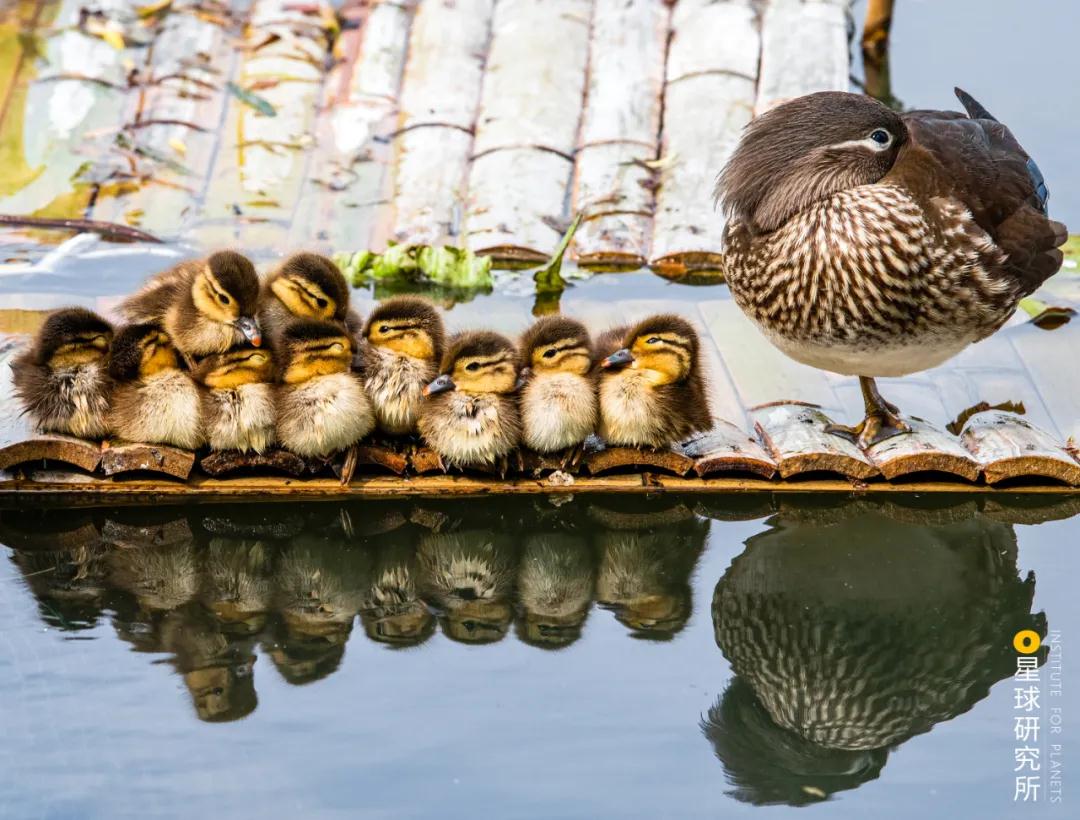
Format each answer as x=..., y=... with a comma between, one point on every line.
x=347, y=186
x=620, y=131
x=440, y=99
x=527, y=128
x=258, y=172
x=713, y=57
x=804, y=48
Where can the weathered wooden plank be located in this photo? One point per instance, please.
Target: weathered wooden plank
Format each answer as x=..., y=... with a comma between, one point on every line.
x=68, y=116
x=600, y=458
x=1008, y=446
x=521, y=221
x=804, y=48
x=431, y=165
x=227, y=462
x=256, y=181
x=924, y=449
x=620, y=125
x=347, y=184
x=153, y=458
x=726, y=448
x=180, y=103
x=713, y=56
x=86, y=455
x=794, y=434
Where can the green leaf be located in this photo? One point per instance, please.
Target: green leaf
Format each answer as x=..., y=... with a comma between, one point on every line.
x=549, y=278
x=260, y=104
x=458, y=267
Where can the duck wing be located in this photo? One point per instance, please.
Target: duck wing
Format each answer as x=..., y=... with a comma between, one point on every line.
x=150, y=302
x=974, y=163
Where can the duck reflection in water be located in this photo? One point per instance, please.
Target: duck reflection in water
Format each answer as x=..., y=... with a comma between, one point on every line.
x=646, y=560
x=852, y=630
x=393, y=612
x=555, y=586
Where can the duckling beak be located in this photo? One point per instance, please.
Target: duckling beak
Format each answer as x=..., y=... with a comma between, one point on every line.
x=440, y=385
x=523, y=378
x=617, y=359
x=250, y=328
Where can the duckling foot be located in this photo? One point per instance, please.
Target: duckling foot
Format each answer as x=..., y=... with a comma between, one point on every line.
x=572, y=457
x=348, y=468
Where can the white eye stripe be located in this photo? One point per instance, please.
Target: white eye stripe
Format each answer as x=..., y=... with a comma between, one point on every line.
x=865, y=142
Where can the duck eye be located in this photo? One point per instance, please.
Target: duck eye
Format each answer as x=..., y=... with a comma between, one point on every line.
x=384, y=328
x=472, y=367
x=223, y=298
x=321, y=302
x=880, y=136
x=655, y=340
x=549, y=354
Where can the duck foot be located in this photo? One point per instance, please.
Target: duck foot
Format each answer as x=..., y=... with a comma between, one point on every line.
x=882, y=419
x=348, y=468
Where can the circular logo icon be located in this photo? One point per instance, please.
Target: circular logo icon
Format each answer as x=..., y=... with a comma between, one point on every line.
x=1026, y=641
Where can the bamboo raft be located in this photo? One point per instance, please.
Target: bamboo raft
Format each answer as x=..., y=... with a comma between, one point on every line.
x=976, y=428
x=210, y=123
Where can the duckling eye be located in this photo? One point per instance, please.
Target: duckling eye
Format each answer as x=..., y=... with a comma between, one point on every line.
x=223, y=298
x=472, y=367
x=549, y=354
x=384, y=328
x=654, y=340
x=880, y=136
x=321, y=302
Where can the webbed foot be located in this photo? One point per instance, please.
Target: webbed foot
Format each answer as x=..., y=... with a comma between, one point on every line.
x=882, y=419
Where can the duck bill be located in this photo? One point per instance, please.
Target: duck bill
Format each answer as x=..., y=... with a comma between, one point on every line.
x=440, y=385
x=617, y=359
x=523, y=378
x=250, y=328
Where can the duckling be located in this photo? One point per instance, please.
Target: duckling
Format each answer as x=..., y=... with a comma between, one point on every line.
x=306, y=286
x=558, y=401
x=238, y=399
x=321, y=405
x=404, y=343
x=62, y=381
x=470, y=417
x=652, y=393
x=155, y=402
x=206, y=306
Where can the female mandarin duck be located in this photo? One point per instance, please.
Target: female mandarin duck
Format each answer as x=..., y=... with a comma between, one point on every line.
x=872, y=243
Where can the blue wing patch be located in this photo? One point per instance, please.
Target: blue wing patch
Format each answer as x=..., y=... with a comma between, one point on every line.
x=1042, y=193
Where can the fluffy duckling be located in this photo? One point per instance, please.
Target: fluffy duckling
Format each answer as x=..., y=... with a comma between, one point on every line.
x=404, y=343
x=155, y=402
x=238, y=400
x=206, y=306
x=62, y=380
x=306, y=286
x=321, y=405
x=558, y=401
x=652, y=393
x=470, y=417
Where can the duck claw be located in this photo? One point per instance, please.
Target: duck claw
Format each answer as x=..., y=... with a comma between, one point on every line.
x=874, y=429
x=348, y=467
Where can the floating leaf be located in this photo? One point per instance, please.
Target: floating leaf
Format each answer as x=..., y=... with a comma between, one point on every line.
x=254, y=100
x=447, y=266
x=153, y=8
x=549, y=278
x=1047, y=317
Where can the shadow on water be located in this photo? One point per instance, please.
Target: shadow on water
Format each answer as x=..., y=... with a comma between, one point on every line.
x=849, y=632
x=849, y=627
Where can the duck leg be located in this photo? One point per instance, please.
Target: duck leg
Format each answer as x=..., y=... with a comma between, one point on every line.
x=882, y=419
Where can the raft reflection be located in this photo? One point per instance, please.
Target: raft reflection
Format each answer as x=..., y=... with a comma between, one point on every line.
x=213, y=587
x=849, y=632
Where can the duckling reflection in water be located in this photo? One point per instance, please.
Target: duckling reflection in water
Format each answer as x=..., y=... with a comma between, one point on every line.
x=646, y=560
x=469, y=575
x=320, y=586
x=238, y=583
x=63, y=379
x=161, y=577
x=849, y=638
x=556, y=579
x=69, y=585
x=394, y=613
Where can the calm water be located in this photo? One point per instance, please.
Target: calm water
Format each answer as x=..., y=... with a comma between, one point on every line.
x=665, y=657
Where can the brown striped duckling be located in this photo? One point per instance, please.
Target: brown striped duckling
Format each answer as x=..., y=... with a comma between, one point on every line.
x=321, y=404
x=155, y=402
x=306, y=286
x=558, y=400
x=470, y=417
x=404, y=343
x=206, y=306
x=63, y=380
x=652, y=392
x=238, y=399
